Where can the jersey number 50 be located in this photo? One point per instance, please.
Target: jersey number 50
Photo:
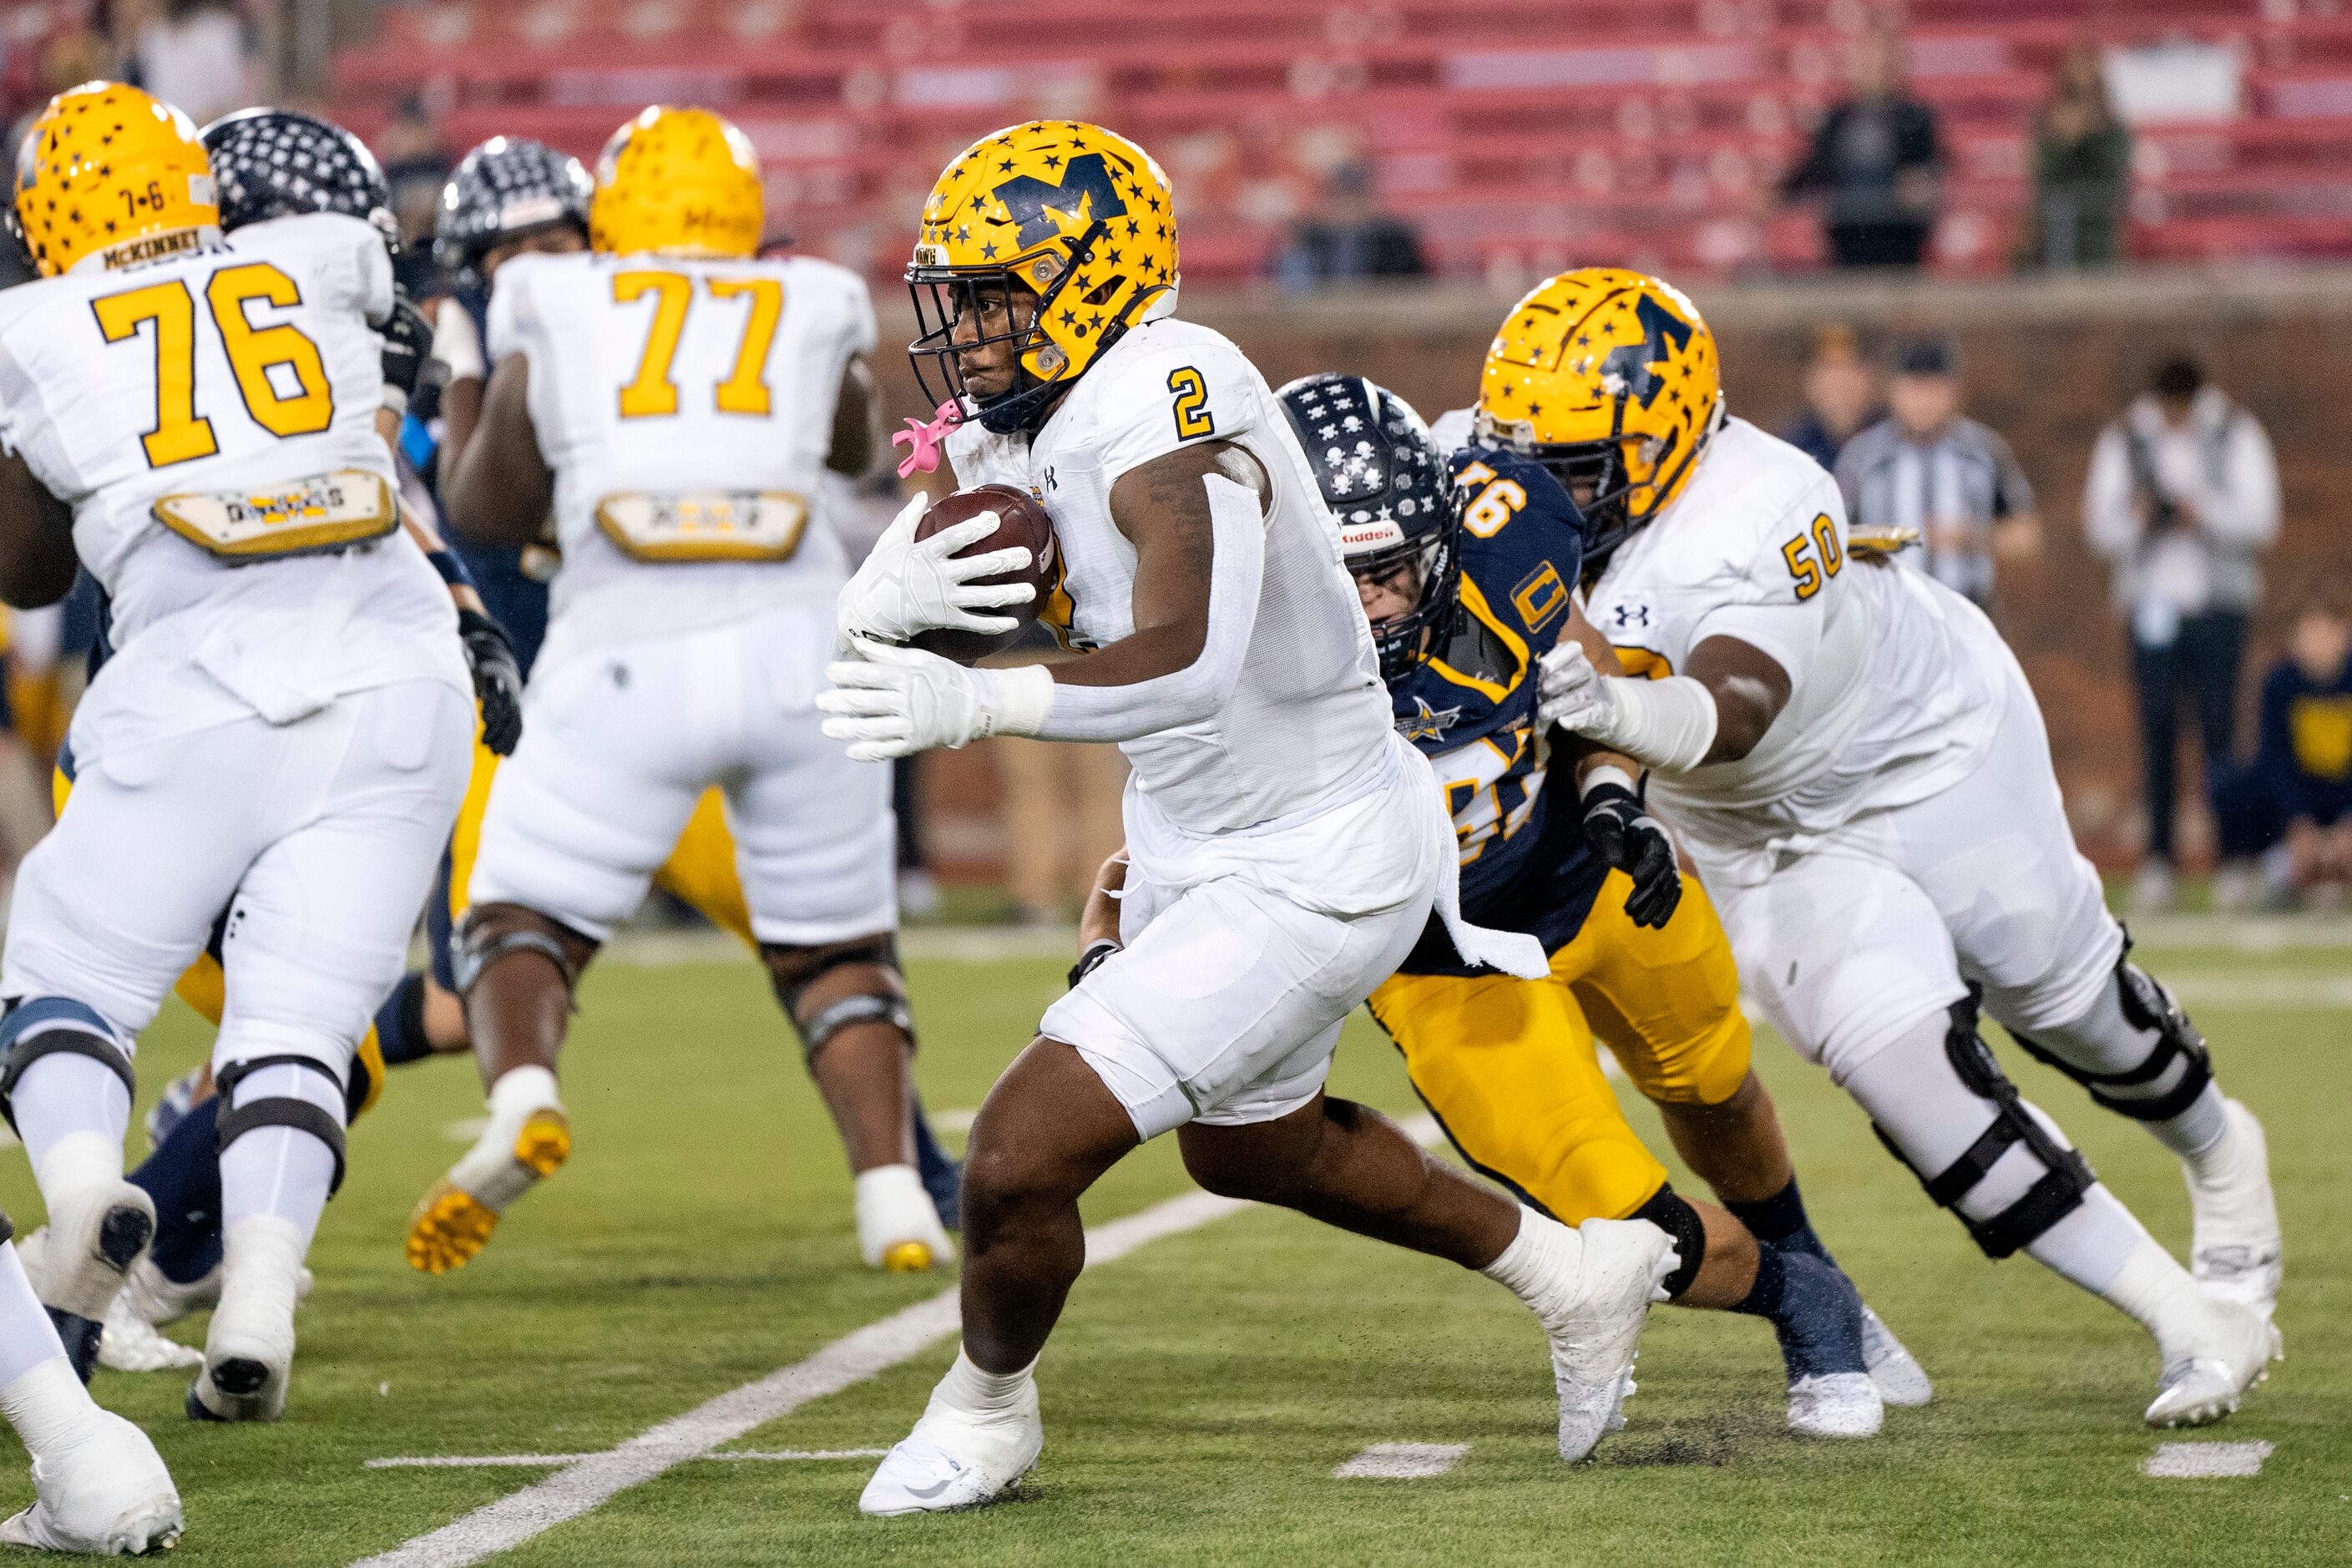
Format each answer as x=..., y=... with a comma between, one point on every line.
x=180, y=433
x=1799, y=554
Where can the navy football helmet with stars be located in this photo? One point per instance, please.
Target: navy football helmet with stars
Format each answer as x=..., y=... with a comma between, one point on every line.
x=276, y=163
x=506, y=189
x=1385, y=482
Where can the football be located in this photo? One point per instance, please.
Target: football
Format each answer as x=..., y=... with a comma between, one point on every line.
x=1019, y=519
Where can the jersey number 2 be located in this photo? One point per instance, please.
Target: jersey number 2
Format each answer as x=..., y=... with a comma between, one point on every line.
x=180, y=433
x=652, y=395
x=1192, y=415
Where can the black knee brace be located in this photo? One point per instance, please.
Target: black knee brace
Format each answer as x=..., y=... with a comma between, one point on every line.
x=45, y=1025
x=277, y=1110
x=473, y=950
x=860, y=1008
x=2147, y=1004
x=2065, y=1174
x=1670, y=1212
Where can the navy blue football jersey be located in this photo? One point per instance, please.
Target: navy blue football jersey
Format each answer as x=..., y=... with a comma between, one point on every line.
x=1470, y=706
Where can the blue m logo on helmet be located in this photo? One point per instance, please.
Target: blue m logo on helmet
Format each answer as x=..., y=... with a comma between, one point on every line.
x=1663, y=336
x=1031, y=200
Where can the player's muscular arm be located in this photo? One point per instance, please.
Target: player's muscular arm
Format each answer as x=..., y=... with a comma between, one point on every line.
x=501, y=488
x=1749, y=689
x=37, y=550
x=1162, y=508
x=856, y=422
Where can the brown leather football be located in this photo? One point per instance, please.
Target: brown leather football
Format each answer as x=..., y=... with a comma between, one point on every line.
x=1019, y=519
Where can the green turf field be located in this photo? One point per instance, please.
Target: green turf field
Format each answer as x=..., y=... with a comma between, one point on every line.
x=1202, y=1391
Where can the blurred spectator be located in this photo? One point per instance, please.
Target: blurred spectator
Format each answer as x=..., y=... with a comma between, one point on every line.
x=2081, y=168
x=2183, y=497
x=1841, y=398
x=1929, y=469
x=1349, y=238
x=2292, y=805
x=1876, y=161
x=196, y=55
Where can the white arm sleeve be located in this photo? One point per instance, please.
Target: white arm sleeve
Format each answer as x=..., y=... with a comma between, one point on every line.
x=457, y=343
x=1667, y=724
x=1187, y=696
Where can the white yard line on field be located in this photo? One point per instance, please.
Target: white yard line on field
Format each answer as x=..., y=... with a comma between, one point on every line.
x=2205, y=1461
x=557, y=1462
x=1403, y=1461
x=588, y=1482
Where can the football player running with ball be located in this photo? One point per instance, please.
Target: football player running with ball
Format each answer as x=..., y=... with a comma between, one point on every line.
x=1287, y=847
x=283, y=729
x=1555, y=842
x=1853, y=759
x=676, y=401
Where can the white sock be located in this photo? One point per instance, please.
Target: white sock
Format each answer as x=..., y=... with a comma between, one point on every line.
x=2096, y=1246
x=971, y=1391
x=28, y=1338
x=283, y=1171
x=1540, y=1258
x=64, y=1093
x=2151, y=1287
x=521, y=1090
x=76, y=1163
x=45, y=1403
x=2215, y=1165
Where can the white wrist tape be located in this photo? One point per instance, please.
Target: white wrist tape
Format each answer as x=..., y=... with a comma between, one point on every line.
x=1186, y=696
x=1608, y=773
x=1661, y=723
x=1016, y=700
x=456, y=344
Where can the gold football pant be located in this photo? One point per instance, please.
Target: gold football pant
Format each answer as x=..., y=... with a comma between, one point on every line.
x=1509, y=1067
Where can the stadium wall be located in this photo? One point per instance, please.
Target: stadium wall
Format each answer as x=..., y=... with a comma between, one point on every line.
x=2047, y=363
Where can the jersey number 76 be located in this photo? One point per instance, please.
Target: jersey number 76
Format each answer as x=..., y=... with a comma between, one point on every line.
x=180, y=433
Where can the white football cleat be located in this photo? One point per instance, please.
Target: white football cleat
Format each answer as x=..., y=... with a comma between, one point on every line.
x=2211, y=1358
x=2236, y=1251
x=249, y=1354
x=1835, y=1404
x=128, y=1343
x=899, y=1230
x=99, y=1487
x=1594, y=1319
x=1900, y=1378
x=953, y=1460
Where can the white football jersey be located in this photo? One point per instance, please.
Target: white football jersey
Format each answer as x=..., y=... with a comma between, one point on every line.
x=686, y=408
x=1309, y=716
x=207, y=384
x=1896, y=683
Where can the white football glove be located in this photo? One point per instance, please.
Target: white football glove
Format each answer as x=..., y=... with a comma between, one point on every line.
x=1665, y=723
x=892, y=702
x=1569, y=692
x=907, y=587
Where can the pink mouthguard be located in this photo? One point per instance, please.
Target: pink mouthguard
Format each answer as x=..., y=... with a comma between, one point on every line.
x=923, y=439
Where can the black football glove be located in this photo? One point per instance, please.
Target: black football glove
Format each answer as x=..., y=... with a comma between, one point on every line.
x=408, y=345
x=497, y=679
x=1628, y=837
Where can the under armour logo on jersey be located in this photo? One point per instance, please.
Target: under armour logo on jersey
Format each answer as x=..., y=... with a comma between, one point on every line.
x=1427, y=723
x=1631, y=616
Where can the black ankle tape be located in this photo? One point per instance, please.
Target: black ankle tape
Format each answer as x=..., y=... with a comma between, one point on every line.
x=1670, y=1213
